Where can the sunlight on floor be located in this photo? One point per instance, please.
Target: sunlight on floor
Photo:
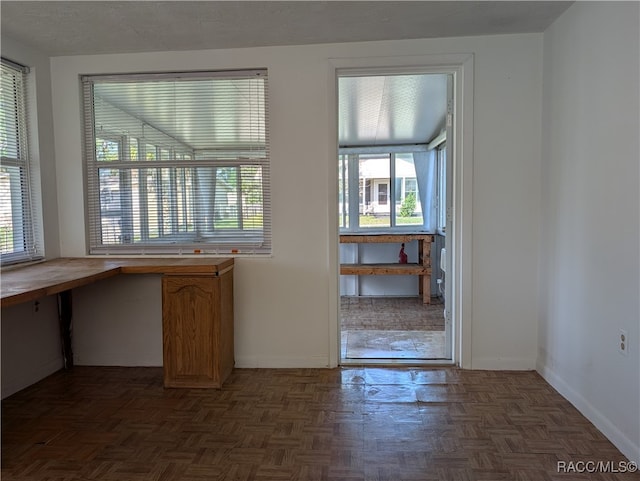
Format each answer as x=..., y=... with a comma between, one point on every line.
x=376, y=344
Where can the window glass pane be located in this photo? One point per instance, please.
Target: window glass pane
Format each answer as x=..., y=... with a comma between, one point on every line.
x=373, y=176
x=377, y=182
x=252, y=199
x=343, y=191
x=18, y=230
x=237, y=197
x=150, y=152
x=184, y=200
x=167, y=213
x=226, y=199
x=442, y=189
x=407, y=202
x=107, y=150
x=134, y=153
x=110, y=206
x=9, y=135
x=383, y=192
x=398, y=186
x=11, y=239
x=134, y=211
x=151, y=191
x=164, y=204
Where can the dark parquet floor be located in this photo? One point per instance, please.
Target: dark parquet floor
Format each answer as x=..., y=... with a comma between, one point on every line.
x=356, y=424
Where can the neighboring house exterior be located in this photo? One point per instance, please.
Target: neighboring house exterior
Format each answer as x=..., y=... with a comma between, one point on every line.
x=375, y=188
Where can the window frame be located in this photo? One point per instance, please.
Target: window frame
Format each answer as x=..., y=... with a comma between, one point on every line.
x=27, y=243
x=441, y=189
x=171, y=165
x=349, y=203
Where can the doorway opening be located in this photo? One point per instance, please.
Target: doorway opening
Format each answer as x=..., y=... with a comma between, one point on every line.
x=394, y=210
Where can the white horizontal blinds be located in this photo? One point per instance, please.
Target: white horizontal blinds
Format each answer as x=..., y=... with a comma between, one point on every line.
x=178, y=163
x=18, y=241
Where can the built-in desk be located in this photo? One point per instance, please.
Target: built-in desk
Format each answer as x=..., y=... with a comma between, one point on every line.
x=197, y=307
x=422, y=268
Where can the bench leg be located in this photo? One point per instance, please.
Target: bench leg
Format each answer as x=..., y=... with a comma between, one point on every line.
x=426, y=289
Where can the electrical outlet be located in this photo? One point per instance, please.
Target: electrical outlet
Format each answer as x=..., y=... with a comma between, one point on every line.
x=623, y=342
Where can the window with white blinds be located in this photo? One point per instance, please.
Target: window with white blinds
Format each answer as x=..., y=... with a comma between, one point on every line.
x=178, y=163
x=19, y=239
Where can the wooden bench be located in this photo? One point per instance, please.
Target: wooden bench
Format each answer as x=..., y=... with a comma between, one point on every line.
x=422, y=268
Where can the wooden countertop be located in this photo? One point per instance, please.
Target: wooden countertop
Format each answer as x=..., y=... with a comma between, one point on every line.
x=26, y=283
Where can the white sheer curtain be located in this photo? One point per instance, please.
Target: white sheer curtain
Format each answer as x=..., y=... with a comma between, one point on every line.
x=426, y=164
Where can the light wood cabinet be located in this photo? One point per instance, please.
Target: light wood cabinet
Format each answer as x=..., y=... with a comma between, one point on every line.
x=197, y=329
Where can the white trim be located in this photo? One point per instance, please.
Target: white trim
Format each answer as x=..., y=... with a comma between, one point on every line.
x=630, y=449
x=274, y=362
x=228, y=74
x=461, y=259
x=504, y=364
x=385, y=149
x=427, y=363
x=461, y=66
x=437, y=140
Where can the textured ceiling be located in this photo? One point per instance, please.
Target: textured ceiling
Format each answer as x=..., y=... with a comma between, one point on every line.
x=93, y=27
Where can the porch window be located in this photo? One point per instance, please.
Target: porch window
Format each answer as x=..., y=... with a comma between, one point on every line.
x=388, y=192
x=19, y=235
x=178, y=163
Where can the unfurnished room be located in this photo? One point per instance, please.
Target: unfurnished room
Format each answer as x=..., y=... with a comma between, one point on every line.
x=320, y=240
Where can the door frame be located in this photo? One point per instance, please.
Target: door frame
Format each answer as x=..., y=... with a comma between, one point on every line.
x=459, y=262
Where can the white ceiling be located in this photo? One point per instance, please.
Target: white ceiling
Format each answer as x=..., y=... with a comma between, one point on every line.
x=93, y=27
x=391, y=110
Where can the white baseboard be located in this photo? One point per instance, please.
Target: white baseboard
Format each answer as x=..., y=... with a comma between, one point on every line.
x=630, y=449
x=118, y=363
x=503, y=364
x=252, y=362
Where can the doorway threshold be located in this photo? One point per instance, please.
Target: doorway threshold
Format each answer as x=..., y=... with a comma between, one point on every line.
x=398, y=362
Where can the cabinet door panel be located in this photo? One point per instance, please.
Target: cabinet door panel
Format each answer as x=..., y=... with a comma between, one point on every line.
x=190, y=330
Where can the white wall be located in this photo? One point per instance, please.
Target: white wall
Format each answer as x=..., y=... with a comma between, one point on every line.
x=283, y=303
x=286, y=305
x=30, y=344
x=506, y=196
x=31, y=348
x=589, y=243
x=110, y=335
